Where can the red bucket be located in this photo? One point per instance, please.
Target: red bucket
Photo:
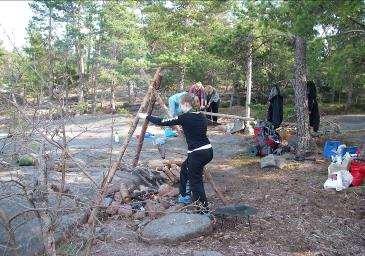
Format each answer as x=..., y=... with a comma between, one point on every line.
x=357, y=170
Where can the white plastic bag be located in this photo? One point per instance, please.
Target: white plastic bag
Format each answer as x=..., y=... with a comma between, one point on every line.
x=338, y=180
x=340, y=164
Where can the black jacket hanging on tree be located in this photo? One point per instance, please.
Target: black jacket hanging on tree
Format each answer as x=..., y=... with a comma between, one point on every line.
x=275, y=111
x=313, y=106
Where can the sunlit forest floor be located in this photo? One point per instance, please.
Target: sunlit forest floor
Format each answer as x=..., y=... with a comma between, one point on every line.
x=296, y=216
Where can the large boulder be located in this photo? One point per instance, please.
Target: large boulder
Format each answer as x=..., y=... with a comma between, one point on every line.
x=176, y=227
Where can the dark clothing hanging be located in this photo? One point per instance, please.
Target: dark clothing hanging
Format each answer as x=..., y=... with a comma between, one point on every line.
x=314, y=117
x=275, y=111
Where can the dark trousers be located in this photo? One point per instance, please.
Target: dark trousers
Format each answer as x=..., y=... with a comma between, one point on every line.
x=214, y=106
x=192, y=170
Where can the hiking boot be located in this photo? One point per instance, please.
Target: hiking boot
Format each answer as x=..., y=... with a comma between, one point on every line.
x=184, y=199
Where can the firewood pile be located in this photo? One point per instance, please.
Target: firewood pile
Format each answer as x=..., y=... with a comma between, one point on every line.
x=142, y=191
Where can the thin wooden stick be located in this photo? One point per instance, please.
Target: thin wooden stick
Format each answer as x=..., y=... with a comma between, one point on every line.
x=214, y=186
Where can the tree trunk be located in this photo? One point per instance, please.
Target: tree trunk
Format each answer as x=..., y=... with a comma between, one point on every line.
x=112, y=97
x=333, y=95
x=94, y=73
x=350, y=90
x=300, y=97
x=231, y=99
x=80, y=55
x=234, y=95
x=182, y=79
x=339, y=97
x=248, y=75
x=248, y=127
x=113, y=83
x=50, y=57
x=93, y=86
x=183, y=71
x=131, y=91
x=80, y=71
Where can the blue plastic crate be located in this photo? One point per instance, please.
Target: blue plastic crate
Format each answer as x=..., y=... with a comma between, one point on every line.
x=330, y=148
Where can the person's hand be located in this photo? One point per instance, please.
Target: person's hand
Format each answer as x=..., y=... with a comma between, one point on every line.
x=142, y=115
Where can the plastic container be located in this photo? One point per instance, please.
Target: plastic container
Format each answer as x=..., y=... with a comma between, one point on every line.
x=330, y=148
x=169, y=133
x=350, y=150
x=357, y=170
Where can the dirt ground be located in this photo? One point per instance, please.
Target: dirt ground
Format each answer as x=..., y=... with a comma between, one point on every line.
x=295, y=215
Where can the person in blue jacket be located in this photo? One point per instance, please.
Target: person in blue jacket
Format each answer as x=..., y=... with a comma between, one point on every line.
x=174, y=104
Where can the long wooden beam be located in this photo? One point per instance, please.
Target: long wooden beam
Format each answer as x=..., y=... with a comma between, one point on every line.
x=151, y=104
x=111, y=172
x=228, y=116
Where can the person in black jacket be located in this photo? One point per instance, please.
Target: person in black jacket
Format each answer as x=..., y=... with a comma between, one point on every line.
x=314, y=117
x=200, y=150
x=213, y=102
x=275, y=111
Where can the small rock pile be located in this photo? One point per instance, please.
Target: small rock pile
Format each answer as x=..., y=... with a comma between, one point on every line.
x=143, y=191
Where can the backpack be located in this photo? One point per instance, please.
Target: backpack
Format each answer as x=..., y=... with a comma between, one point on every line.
x=267, y=140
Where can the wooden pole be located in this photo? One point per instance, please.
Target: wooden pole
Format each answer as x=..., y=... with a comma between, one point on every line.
x=158, y=96
x=215, y=188
x=111, y=172
x=248, y=126
x=152, y=101
x=162, y=104
x=132, y=128
x=248, y=75
x=244, y=118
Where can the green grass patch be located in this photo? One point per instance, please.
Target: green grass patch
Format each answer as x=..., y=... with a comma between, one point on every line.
x=122, y=111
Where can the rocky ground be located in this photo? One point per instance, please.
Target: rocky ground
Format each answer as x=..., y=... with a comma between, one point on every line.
x=296, y=216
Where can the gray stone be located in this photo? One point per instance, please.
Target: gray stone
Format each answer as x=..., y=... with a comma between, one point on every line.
x=154, y=209
x=268, y=161
x=206, y=253
x=176, y=227
x=272, y=161
x=128, y=178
